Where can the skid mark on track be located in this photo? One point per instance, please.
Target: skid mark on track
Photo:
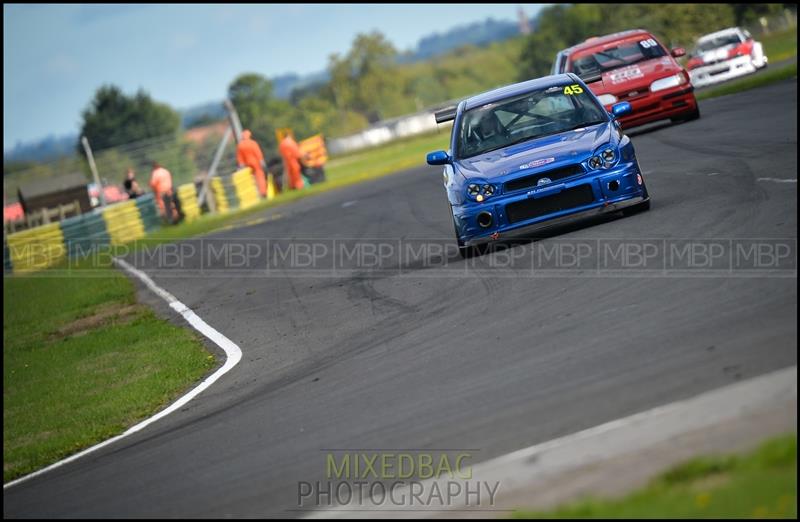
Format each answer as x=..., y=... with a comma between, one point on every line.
x=364, y=288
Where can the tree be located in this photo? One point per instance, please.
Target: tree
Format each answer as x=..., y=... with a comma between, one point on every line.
x=747, y=14
x=365, y=79
x=113, y=118
x=260, y=111
x=251, y=94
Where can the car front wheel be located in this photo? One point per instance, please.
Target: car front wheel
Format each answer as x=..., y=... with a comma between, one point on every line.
x=694, y=115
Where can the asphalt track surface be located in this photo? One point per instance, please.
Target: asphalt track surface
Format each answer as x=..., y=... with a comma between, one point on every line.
x=446, y=357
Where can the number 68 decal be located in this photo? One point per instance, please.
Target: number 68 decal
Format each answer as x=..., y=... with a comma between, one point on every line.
x=648, y=43
x=573, y=89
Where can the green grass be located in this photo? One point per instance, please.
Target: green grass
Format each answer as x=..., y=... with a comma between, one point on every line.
x=760, y=484
x=760, y=79
x=82, y=362
x=780, y=45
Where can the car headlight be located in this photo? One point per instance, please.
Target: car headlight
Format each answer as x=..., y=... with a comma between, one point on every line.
x=666, y=83
x=607, y=99
x=480, y=191
x=605, y=159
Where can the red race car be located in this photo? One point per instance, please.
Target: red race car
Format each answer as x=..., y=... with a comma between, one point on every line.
x=633, y=66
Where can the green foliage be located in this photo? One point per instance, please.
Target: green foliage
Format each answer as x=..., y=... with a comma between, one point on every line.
x=367, y=84
x=748, y=14
x=113, y=118
x=252, y=96
x=363, y=80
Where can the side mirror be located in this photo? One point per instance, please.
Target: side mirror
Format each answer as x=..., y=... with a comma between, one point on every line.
x=678, y=52
x=621, y=109
x=439, y=157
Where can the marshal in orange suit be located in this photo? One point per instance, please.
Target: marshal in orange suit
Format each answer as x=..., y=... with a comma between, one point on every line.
x=292, y=156
x=248, y=154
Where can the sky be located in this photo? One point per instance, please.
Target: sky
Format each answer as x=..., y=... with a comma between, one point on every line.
x=55, y=56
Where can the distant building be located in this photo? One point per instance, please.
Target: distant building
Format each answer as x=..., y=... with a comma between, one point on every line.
x=54, y=191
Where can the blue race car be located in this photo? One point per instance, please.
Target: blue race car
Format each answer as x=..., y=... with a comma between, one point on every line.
x=535, y=154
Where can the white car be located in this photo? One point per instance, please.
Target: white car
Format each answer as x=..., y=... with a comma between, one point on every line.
x=723, y=55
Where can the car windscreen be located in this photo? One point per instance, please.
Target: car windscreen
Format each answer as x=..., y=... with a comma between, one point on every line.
x=526, y=117
x=592, y=64
x=720, y=41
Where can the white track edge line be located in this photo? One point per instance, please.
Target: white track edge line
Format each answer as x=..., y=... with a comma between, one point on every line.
x=233, y=356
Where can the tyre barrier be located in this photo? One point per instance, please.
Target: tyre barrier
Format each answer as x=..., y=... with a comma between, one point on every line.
x=246, y=190
x=187, y=195
x=123, y=222
x=47, y=245
x=224, y=197
x=36, y=248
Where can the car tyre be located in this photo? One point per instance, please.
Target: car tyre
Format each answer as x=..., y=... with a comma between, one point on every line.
x=635, y=209
x=694, y=115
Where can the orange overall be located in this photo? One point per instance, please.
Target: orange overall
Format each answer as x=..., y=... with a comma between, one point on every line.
x=249, y=154
x=291, y=154
x=161, y=183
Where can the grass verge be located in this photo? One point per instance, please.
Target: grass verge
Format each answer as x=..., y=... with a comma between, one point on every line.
x=760, y=484
x=760, y=79
x=780, y=45
x=82, y=362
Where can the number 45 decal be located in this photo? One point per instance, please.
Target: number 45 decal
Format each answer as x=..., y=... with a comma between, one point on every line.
x=573, y=89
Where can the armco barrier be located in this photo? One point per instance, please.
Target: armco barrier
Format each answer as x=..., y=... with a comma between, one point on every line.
x=123, y=222
x=148, y=211
x=82, y=233
x=245, y=185
x=187, y=195
x=6, y=257
x=36, y=248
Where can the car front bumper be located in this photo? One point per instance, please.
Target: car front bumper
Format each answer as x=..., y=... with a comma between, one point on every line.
x=625, y=177
x=669, y=103
x=722, y=71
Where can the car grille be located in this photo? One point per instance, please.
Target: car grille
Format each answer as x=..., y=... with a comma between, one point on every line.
x=566, y=199
x=532, y=180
